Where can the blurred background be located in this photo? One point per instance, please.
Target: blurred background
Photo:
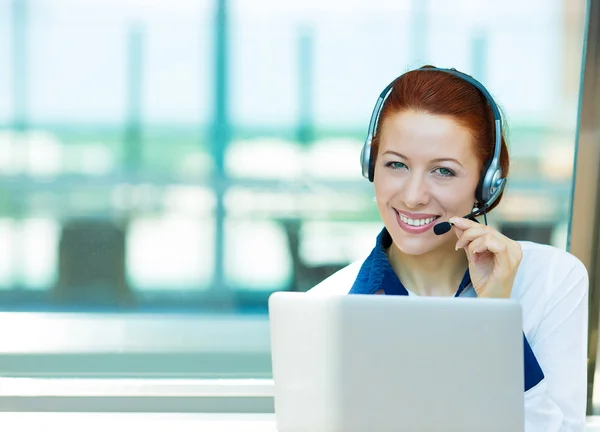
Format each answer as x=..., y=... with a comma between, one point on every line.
x=195, y=156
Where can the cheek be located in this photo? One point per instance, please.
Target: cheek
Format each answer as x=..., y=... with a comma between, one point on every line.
x=461, y=197
x=381, y=187
x=385, y=183
x=385, y=193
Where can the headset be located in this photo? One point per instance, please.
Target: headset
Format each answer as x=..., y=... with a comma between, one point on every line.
x=491, y=183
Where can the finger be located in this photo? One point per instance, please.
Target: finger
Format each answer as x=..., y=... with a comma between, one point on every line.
x=458, y=232
x=492, y=243
x=463, y=223
x=475, y=249
x=458, y=229
x=471, y=234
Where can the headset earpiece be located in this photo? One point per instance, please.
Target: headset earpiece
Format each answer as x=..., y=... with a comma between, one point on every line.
x=365, y=160
x=482, y=193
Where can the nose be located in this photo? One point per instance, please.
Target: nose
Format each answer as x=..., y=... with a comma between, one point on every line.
x=415, y=192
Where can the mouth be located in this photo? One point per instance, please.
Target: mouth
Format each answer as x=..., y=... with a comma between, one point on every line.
x=416, y=225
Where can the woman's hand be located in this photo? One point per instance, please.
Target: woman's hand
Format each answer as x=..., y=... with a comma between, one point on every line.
x=493, y=258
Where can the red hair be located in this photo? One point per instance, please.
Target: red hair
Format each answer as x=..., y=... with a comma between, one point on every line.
x=441, y=93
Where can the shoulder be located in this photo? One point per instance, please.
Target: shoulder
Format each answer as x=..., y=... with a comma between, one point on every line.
x=551, y=269
x=551, y=260
x=340, y=282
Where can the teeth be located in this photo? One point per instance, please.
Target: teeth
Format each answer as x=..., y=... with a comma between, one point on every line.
x=416, y=222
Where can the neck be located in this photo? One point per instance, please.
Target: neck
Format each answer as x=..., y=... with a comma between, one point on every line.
x=436, y=273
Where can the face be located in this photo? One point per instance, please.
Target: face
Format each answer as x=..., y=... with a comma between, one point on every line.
x=426, y=172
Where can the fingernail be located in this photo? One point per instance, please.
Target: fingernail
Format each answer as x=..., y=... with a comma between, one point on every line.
x=451, y=220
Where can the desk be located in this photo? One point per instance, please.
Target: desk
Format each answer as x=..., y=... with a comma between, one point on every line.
x=152, y=422
x=132, y=422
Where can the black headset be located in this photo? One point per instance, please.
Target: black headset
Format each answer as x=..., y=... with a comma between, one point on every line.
x=491, y=183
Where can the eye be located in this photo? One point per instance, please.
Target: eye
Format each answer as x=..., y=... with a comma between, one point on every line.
x=395, y=165
x=445, y=172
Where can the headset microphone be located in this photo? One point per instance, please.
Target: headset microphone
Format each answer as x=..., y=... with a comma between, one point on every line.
x=444, y=227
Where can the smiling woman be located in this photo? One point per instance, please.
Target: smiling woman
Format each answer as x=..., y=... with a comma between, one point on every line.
x=435, y=152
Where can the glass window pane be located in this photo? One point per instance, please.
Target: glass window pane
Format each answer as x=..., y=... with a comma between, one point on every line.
x=177, y=157
x=5, y=59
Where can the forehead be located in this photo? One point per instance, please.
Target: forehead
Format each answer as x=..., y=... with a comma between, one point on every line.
x=428, y=135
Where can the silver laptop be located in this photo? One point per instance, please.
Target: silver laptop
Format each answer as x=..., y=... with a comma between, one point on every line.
x=394, y=363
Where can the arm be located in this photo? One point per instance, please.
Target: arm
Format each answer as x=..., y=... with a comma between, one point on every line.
x=557, y=403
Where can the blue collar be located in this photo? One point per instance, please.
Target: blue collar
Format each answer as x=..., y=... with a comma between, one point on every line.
x=377, y=272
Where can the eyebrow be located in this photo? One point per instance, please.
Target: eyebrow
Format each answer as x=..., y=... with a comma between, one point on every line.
x=433, y=160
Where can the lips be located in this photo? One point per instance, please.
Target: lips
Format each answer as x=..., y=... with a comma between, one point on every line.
x=417, y=215
x=415, y=223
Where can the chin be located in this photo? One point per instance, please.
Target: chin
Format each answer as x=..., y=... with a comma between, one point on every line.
x=414, y=249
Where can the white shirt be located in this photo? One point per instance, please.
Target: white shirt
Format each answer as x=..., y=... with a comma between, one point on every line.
x=552, y=287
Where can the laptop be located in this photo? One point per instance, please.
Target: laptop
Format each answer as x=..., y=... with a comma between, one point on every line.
x=396, y=363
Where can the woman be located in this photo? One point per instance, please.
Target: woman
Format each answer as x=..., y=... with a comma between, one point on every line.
x=436, y=152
